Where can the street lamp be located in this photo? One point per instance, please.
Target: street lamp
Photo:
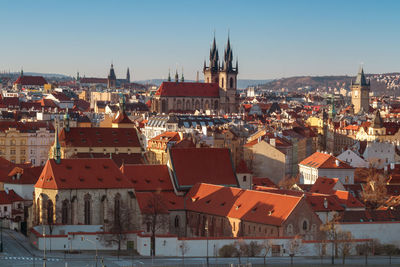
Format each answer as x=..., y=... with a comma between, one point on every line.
x=206, y=228
x=95, y=244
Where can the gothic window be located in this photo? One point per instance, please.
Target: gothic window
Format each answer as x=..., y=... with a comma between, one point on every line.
x=164, y=106
x=206, y=105
x=305, y=225
x=197, y=104
x=179, y=105
x=87, y=209
x=64, y=212
x=50, y=212
x=117, y=208
x=290, y=229
x=216, y=104
x=176, y=221
x=222, y=82
x=244, y=178
x=188, y=107
x=231, y=82
x=208, y=79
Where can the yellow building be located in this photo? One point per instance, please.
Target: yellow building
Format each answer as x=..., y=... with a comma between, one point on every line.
x=157, y=149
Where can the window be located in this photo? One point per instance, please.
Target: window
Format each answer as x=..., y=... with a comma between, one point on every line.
x=176, y=221
x=87, y=209
x=117, y=208
x=64, y=212
x=5, y=208
x=231, y=82
x=50, y=213
x=289, y=229
x=244, y=178
x=12, y=151
x=305, y=225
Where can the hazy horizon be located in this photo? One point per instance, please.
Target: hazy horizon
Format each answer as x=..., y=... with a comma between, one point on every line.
x=271, y=39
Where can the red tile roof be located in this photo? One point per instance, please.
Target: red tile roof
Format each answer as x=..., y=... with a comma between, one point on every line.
x=119, y=159
x=31, y=80
x=324, y=161
x=93, y=80
x=324, y=185
x=159, y=202
x=166, y=136
x=242, y=167
x=148, y=177
x=202, y=165
x=28, y=175
x=9, y=197
x=317, y=202
x=188, y=89
x=248, y=205
x=263, y=181
x=82, y=174
x=121, y=118
x=99, y=137
x=348, y=199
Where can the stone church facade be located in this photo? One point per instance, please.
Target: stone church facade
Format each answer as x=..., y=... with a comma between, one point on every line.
x=217, y=93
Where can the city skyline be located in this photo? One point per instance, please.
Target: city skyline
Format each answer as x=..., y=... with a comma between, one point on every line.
x=271, y=40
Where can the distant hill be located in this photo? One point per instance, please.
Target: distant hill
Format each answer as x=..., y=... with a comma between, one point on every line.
x=242, y=83
x=293, y=83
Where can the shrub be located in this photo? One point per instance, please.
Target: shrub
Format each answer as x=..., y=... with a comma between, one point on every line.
x=228, y=251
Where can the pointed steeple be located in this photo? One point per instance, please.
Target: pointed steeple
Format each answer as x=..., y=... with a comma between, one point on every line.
x=57, y=147
x=22, y=72
x=121, y=103
x=66, y=121
x=182, y=78
x=169, y=75
x=77, y=76
x=228, y=56
x=360, y=79
x=237, y=64
x=176, y=76
x=214, y=57
x=377, y=122
x=128, y=76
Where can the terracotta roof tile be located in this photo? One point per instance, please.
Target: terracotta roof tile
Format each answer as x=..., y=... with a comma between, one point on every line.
x=324, y=161
x=82, y=174
x=188, y=89
x=31, y=80
x=247, y=205
x=148, y=177
x=202, y=165
x=324, y=185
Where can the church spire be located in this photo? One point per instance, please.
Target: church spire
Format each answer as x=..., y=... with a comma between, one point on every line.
x=169, y=75
x=57, y=147
x=176, y=76
x=182, y=78
x=360, y=79
x=128, y=76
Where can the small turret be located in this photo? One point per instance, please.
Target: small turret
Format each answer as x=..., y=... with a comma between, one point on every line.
x=66, y=121
x=169, y=75
x=57, y=147
x=176, y=76
x=128, y=76
x=182, y=78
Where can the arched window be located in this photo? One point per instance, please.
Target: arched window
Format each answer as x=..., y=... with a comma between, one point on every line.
x=176, y=221
x=164, y=106
x=50, y=213
x=222, y=82
x=305, y=225
x=290, y=229
x=197, y=104
x=206, y=105
x=244, y=178
x=117, y=209
x=216, y=104
x=87, y=211
x=64, y=212
x=179, y=105
x=188, y=106
x=231, y=82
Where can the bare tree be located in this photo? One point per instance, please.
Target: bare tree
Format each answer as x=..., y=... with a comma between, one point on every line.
x=266, y=246
x=117, y=223
x=330, y=229
x=288, y=182
x=321, y=248
x=184, y=248
x=294, y=247
x=345, y=244
x=155, y=216
x=375, y=192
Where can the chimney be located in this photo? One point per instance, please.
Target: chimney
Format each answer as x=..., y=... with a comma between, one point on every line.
x=325, y=203
x=337, y=162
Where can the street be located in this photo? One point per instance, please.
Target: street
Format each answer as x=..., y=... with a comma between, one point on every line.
x=19, y=252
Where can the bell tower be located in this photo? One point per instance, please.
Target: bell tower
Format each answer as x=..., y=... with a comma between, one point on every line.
x=228, y=79
x=211, y=73
x=360, y=93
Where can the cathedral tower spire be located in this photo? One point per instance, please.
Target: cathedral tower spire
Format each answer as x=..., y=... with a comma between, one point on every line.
x=128, y=76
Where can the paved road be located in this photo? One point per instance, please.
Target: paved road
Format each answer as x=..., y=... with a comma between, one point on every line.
x=18, y=252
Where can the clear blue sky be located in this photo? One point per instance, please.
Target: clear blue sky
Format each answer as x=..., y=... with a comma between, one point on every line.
x=271, y=38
